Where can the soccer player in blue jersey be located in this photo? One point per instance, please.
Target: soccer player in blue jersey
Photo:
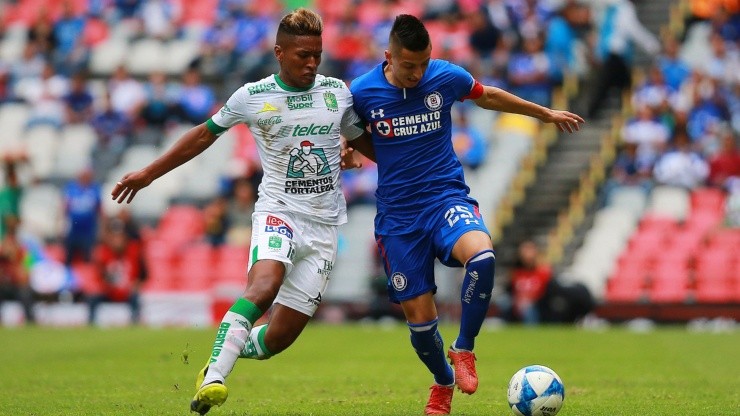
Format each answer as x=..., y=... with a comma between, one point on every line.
x=423, y=207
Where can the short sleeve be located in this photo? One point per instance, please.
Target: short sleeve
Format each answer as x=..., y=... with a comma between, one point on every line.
x=352, y=126
x=231, y=114
x=461, y=80
x=354, y=90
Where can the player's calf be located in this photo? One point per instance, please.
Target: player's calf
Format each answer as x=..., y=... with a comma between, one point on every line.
x=475, y=297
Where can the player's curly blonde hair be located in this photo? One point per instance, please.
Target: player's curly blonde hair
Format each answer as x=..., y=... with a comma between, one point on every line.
x=301, y=22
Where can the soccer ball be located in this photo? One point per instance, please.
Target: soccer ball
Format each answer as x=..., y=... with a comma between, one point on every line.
x=536, y=390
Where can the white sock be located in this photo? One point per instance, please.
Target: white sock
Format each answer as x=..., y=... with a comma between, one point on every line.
x=255, y=348
x=230, y=340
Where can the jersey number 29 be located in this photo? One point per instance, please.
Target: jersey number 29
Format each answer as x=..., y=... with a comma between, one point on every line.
x=459, y=212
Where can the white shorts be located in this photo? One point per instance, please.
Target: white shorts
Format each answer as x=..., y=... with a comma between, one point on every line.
x=307, y=249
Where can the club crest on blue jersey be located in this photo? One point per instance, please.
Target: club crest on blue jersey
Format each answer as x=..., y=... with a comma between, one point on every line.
x=398, y=280
x=276, y=225
x=433, y=101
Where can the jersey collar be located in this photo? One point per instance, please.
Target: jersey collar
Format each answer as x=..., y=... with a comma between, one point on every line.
x=288, y=88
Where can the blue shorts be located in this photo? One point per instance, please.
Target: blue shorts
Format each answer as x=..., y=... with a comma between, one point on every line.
x=408, y=258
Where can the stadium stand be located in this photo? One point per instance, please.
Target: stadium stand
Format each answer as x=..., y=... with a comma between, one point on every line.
x=618, y=260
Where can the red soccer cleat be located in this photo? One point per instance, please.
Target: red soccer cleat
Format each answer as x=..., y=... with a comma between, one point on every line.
x=440, y=400
x=466, y=377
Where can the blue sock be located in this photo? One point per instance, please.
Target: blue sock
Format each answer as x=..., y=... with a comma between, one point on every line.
x=476, y=296
x=429, y=346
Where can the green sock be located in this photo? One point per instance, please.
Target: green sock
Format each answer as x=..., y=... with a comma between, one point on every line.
x=231, y=338
x=256, y=348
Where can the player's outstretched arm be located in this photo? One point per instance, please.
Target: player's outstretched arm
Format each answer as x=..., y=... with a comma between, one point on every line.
x=191, y=144
x=499, y=100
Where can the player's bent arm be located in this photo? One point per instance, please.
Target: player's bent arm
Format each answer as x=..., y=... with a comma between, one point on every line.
x=364, y=144
x=191, y=144
x=497, y=99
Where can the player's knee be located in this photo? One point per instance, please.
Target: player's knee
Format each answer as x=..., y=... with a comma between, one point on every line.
x=424, y=336
x=262, y=289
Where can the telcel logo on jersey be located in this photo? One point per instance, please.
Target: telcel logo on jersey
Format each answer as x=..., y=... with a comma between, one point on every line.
x=312, y=130
x=298, y=102
x=408, y=125
x=276, y=225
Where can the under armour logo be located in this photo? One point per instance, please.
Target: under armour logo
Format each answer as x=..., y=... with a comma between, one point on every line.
x=378, y=113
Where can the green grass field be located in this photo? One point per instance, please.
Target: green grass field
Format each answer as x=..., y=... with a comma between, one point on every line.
x=365, y=370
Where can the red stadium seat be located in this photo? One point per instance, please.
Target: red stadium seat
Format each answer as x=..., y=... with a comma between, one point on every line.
x=55, y=252
x=687, y=241
x=202, y=12
x=88, y=277
x=714, y=268
x=632, y=267
x=735, y=286
x=181, y=224
x=669, y=281
x=717, y=259
x=657, y=223
x=707, y=199
x=161, y=277
x=231, y=252
x=675, y=254
x=647, y=243
x=231, y=265
x=158, y=250
x=669, y=290
x=703, y=221
x=161, y=260
x=628, y=281
x=708, y=291
x=231, y=271
x=624, y=290
x=728, y=239
x=196, y=268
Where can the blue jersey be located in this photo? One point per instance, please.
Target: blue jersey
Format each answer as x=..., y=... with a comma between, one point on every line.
x=411, y=133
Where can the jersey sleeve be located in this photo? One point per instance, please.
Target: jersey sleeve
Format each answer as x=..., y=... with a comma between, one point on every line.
x=352, y=126
x=463, y=83
x=231, y=114
x=354, y=90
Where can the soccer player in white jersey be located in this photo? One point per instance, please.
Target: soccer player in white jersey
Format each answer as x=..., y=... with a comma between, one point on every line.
x=296, y=117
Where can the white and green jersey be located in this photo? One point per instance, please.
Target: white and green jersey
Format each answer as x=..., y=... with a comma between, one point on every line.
x=297, y=134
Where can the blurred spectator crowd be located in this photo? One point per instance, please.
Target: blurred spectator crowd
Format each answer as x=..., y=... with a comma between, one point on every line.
x=107, y=85
x=92, y=89
x=685, y=121
x=672, y=200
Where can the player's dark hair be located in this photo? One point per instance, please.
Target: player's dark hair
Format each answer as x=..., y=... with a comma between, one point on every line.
x=409, y=32
x=301, y=22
